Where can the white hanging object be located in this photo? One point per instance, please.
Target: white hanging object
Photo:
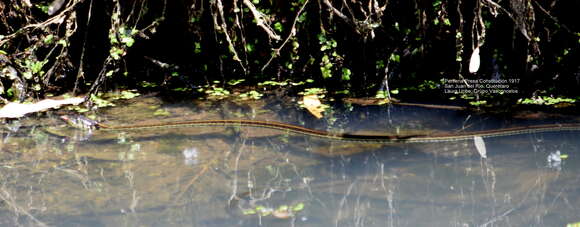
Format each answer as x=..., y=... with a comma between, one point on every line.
x=480, y=146
x=474, y=61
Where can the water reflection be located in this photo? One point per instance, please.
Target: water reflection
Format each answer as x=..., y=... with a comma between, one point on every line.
x=190, y=156
x=257, y=177
x=555, y=160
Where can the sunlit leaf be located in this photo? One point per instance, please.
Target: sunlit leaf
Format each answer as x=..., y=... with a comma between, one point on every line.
x=346, y=74
x=128, y=94
x=161, y=112
x=49, y=39
x=313, y=105
x=283, y=207
x=298, y=207
x=248, y=212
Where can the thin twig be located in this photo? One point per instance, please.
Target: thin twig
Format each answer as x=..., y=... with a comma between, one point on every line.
x=552, y=17
x=292, y=33
x=59, y=18
x=224, y=27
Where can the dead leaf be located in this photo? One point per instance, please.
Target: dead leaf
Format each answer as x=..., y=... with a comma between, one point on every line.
x=313, y=105
x=15, y=110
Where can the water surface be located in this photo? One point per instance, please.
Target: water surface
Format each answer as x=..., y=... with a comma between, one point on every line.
x=239, y=176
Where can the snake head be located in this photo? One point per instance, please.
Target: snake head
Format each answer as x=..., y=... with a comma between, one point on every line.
x=80, y=122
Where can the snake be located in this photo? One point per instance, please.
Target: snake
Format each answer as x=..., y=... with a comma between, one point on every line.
x=85, y=123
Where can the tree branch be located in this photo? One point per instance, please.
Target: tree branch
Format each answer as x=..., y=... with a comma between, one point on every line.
x=292, y=33
x=261, y=20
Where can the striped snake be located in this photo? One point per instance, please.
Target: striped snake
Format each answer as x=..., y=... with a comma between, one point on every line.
x=82, y=122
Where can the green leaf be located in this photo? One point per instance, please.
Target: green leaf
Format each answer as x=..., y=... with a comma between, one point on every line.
x=447, y=22
x=298, y=207
x=343, y=92
x=116, y=53
x=147, y=84
x=113, y=38
x=346, y=74
x=326, y=72
x=161, y=112
x=381, y=94
x=49, y=39
x=436, y=21
x=197, y=49
x=333, y=43
x=278, y=27
x=99, y=102
x=283, y=208
x=380, y=64
x=395, y=58
x=325, y=59
x=129, y=94
x=248, y=212
x=235, y=82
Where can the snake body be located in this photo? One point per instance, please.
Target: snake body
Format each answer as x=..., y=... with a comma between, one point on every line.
x=416, y=138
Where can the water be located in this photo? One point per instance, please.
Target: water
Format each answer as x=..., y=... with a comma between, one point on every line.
x=228, y=176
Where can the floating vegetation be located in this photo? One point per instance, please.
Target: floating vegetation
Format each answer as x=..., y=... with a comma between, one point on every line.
x=236, y=82
x=161, y=112
x=546, y=100
x=425, y=85
x=251, y=95
x=214, y=91
x=281, y=212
